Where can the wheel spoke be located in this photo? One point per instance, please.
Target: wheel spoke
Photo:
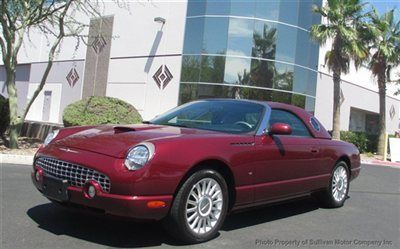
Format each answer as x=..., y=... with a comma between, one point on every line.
x=212, y=189
x=193, y=225
x=199, y=225
x=191, y=218
x=208, y=187
x=194, y=203
x=198, y=189
x=191, y=210
x=215, y=194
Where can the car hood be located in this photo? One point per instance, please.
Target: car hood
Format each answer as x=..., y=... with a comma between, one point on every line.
x=115, y=141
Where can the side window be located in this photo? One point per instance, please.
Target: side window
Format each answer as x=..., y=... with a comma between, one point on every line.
x=281, y=116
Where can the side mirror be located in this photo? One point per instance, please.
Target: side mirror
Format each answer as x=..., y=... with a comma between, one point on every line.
x=280, y=129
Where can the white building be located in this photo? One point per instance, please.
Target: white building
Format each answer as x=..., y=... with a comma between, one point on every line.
x=248, y=49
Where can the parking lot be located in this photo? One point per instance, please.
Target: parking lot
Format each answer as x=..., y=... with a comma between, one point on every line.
x=369, y=219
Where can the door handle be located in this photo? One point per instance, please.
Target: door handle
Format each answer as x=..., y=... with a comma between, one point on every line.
x=314, y=150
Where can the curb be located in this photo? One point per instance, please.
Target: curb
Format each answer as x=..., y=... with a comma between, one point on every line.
x=382, y=164
x=386, y=163
x=15, y=159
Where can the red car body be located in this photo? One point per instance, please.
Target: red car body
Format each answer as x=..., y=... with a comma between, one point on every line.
x=258, y=168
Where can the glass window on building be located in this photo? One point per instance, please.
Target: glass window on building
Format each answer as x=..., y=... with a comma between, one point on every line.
x=267, y=9
x=237, y=71
x=264, y=40
x=286, y=43
x=242, y=8
x=240, y=37
x=305, y=14
x=310, y=105
x=218, y=7
x=196, y=7
x=193, y=36
x=262, y=73
x=190, y=68
x=302, y=55
x=189, y=92
x=240, y=43
x=284, y=75
x=212, y=69
x=305, y=81
x=215, y=35
x=289, y=11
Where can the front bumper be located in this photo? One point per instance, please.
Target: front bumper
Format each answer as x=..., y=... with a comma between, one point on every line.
x=138, y=207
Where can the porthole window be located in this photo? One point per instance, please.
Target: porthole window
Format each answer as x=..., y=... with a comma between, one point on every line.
x=315, y=124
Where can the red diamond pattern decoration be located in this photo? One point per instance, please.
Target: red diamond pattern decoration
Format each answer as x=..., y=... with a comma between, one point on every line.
x=98, y=44
x=72, y=77
x=392, y=112
x=162, y=77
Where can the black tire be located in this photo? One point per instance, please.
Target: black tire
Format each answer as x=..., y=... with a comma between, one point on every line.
x=326, y=197
x=176, y=223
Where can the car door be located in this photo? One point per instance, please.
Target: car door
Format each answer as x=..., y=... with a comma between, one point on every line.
x=286, y=165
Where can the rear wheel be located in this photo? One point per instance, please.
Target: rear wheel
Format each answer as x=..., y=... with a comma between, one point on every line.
x=336, y=194
x=199, y=208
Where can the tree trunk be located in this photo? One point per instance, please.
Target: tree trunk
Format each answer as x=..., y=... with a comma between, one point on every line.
x=15, y=121
x=336, y=105
x=382, y=112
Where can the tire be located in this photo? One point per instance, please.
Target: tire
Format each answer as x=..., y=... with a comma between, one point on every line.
x=209, y=209
x=336, y=194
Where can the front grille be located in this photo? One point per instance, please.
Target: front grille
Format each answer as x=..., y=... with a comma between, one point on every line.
x=76, y=175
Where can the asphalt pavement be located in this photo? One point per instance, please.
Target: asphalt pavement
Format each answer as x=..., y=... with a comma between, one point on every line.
x=369, y=219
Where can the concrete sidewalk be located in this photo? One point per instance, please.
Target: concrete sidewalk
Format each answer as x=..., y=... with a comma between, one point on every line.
x=16, y=159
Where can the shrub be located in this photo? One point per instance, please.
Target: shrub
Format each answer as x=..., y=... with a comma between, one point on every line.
x=100, y=110
x=4, y=115
x=359, y=139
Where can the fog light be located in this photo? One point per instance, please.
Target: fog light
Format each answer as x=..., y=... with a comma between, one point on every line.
x=37, y=175
x=91, y=191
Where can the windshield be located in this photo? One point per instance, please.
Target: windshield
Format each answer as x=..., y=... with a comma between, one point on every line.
x=218, y=115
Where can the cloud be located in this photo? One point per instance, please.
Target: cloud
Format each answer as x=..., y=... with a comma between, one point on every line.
x=241, y=27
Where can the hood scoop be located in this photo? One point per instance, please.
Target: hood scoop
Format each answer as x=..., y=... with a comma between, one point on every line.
x=122, y=129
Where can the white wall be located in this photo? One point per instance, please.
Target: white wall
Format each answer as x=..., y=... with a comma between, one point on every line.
x=354, y=96
x=36, y=111
x=137, y=36
x=141, y=42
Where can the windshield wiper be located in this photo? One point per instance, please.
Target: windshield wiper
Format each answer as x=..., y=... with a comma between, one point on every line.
x=177, y=125
x=147, y=122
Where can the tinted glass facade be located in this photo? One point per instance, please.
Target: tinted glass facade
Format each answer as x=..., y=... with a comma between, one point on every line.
x=255, y=49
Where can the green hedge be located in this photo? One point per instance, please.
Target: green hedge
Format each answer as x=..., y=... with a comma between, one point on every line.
x=364, y=142
x=100, y=110
x=4, y=115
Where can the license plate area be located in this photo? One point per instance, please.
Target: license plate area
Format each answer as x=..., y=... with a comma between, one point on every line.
x=55, y=188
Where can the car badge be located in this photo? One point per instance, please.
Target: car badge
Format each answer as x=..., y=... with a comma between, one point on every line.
x=69, y=150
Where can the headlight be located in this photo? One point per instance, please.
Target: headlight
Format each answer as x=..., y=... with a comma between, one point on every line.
x=139, y=155
x=50, y=137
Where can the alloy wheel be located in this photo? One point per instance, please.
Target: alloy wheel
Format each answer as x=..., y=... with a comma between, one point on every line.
x=339, y=184
x=204, y=206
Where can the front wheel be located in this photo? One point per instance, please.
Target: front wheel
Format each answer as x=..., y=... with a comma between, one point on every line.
x=199, y=208
x=336, y=194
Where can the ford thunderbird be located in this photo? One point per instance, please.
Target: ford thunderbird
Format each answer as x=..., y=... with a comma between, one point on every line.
x=193, y=165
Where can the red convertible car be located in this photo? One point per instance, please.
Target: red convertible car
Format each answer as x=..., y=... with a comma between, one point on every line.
x=196, y=163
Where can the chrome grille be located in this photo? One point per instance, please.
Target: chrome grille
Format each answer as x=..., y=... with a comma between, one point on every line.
x=76, y=175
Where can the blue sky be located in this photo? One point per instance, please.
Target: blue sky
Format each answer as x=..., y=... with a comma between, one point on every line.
x=385, y=5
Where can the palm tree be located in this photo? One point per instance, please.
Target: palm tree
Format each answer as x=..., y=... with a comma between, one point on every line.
x=385, y=47
x=342, y=28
